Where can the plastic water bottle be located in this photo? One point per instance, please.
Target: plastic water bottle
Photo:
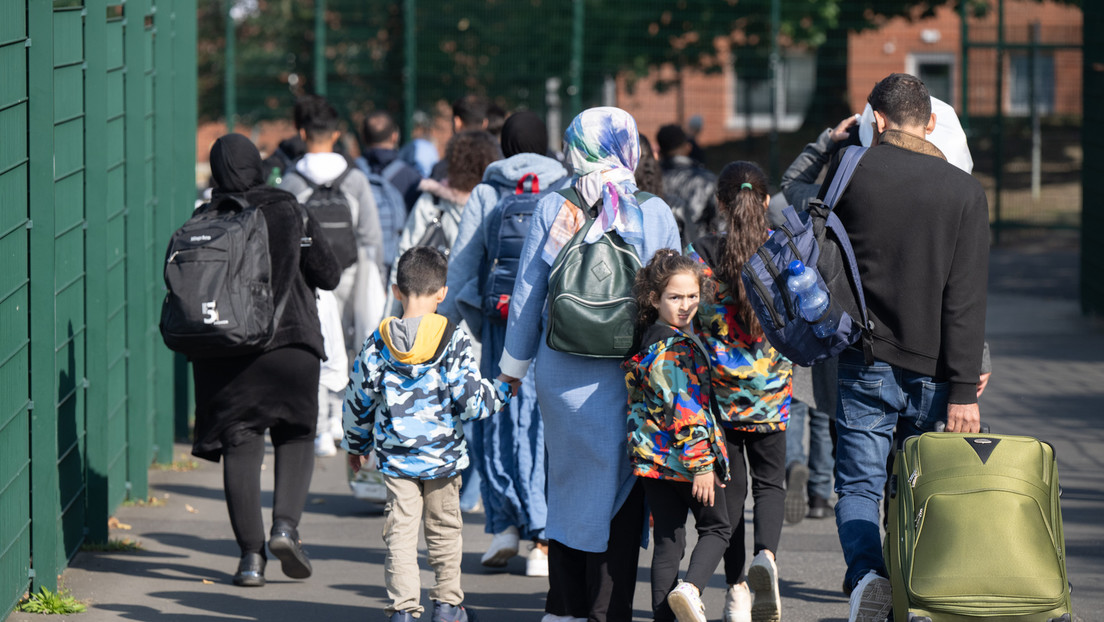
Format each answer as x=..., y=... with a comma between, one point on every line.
x=812, y=300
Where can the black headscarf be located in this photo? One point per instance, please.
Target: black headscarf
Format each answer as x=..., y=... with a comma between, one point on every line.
x=236, y=164
x=524, y=132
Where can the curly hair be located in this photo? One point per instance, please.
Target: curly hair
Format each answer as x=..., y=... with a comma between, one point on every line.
x=741, y=194
x=652, y=279
x=468, y=154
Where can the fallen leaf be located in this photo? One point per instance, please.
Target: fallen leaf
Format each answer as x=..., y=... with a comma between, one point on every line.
x=208, y=582
x=113, y=523
x=318, y=501
x=189, y=508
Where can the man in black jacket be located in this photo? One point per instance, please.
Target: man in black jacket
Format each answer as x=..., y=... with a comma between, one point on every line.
x=920, y=232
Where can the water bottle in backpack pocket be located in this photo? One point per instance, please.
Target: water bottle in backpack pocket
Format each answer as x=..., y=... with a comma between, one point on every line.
x=816, y=240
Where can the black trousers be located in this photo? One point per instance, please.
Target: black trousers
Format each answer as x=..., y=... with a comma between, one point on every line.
x=669, y=502
x=241, y=478
x=766, y=455
x=599, y=586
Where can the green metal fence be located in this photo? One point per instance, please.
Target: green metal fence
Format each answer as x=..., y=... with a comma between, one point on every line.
x=1092, y=136
x=97, y=145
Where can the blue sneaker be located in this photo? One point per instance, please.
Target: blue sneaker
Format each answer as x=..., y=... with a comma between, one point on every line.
x=401, y=616
x=443, y=612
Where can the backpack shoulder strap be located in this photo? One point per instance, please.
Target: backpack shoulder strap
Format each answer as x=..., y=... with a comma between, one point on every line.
x=848, y=163
x=391, y=168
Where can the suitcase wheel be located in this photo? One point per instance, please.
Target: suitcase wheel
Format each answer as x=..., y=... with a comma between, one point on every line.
x=912, y=617
x=1064, y=618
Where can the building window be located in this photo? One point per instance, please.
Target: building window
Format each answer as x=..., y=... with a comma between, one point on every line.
x=750, y=97
x=937, y=72
x=1019, y=95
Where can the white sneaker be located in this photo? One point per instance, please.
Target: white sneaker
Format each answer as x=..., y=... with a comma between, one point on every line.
x=503, y=547
x=324, y=445
x=763, y=580
x=871, y=600
x=536, y=564
x=686, y=602
x=737, y=607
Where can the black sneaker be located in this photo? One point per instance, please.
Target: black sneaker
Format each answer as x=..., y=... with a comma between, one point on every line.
x=797, y=478
x=285, y=545
x=819, y=508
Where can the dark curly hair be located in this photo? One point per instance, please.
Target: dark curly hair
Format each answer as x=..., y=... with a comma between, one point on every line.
x=468, y=154
x=652, y=279
x=741, y=193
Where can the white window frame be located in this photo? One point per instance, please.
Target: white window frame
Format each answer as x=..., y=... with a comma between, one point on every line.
x=913, y=60
x=736, y=120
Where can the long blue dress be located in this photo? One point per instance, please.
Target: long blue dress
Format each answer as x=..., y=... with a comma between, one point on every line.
x=583, y=401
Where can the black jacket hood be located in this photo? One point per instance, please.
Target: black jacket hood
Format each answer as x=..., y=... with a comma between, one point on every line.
x=236, y=164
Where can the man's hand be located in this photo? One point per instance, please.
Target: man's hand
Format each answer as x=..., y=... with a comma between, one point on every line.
x=841, y=131
x=356, y=461
x=983, y=382
x=963, y=418
x=703, y=487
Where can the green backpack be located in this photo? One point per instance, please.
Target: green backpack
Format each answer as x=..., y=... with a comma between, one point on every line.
x=591, y=308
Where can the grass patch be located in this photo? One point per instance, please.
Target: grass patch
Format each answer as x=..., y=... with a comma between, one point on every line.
x=48, y=602
x=151, y=502
x=113, y=545
x=181, y=464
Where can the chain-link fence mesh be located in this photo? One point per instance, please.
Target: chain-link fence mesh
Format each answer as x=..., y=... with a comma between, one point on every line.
x=707, y=63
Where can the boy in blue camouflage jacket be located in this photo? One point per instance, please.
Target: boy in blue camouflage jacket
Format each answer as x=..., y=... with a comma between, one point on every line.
x=412, y=385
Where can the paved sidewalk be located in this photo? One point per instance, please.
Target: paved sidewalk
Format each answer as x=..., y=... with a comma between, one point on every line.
x=1048, y=382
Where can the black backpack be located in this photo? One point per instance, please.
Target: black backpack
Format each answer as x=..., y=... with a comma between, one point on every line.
x=218, y=272
x=332, y=211
x=591, y=308
x=507, y=226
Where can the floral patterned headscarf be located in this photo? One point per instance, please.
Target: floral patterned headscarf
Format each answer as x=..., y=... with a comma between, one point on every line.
x=602, y=145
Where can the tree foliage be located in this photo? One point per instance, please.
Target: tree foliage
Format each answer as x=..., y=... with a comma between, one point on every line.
x=508, y=48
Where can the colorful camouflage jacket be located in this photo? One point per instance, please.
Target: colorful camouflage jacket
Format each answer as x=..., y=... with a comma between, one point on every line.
x=752, y=382
x=672, y=432
x=411, y=412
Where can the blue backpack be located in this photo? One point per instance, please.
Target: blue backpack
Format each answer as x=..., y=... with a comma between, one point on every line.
x=391, y=206
x=818, y=239
x=507, y=226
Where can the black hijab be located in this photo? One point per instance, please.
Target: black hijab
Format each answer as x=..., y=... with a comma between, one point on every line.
x=236, y=165
x=524, y=132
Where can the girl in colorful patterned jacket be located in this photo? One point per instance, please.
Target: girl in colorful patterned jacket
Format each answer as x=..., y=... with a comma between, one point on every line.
x=752, y=384
x=675, y=445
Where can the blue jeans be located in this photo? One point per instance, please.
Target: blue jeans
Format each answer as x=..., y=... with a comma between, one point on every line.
x=874, y=400
x=820, y=447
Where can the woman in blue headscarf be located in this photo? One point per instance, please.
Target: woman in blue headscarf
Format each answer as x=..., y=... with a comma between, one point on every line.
x=595, y=513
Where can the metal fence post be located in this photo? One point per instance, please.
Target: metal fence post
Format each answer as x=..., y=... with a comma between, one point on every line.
x=575, y=89
x=97, y=441
x=231, y=69
x=320, y=47
x=184, y=157
x=410, y=67
x=138, y=359
x=45, y=506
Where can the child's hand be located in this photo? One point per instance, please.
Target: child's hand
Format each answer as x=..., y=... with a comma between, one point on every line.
x=703, y=486
x=356, y=461
x=515, y=383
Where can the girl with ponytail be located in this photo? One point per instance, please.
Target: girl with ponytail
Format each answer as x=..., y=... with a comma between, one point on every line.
x=752, y=386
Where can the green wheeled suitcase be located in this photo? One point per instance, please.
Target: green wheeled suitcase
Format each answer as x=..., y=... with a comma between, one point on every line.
x=975, y=531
